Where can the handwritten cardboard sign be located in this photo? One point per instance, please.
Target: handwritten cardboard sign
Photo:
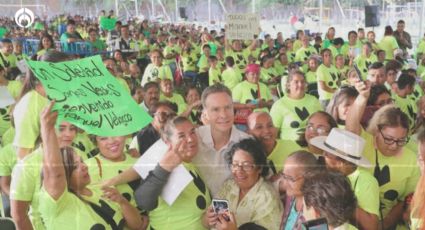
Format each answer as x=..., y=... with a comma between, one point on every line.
x=88, y=96
x=242, y=26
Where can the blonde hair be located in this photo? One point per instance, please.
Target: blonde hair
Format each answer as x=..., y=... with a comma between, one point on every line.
x=388, y=115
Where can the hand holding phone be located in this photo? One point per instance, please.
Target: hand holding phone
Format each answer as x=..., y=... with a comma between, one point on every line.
x=317, y=224
x=221, y=207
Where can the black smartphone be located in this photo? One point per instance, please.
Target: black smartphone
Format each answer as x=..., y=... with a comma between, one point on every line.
x=359, y=75
x=220, y=206
x=317, y=224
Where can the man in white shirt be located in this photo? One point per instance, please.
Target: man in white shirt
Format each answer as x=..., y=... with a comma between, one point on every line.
x=217, y=137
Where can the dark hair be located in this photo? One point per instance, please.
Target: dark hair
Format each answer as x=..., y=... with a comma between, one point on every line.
x=265, y=58
x=376, y=65
x=331, y=121
x=393, y=65
x=189, y=88
x=330, y=194
x=70, y=22
x=216, y=88
x=379, y=51
x=405, y=80
x=338, y=41
x=212, y=58
x=48, y=36
x=323, y=51
x=352, y=32
x=375, y=92
x=149, y=85
x=68, y=159
x=229, y=61
x=158, y=104
x=254, y=149
x=388, y=31
x=401, y=21
x=339, y=97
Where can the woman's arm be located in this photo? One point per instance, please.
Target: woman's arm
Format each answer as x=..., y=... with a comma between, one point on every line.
x=365, y=220
x=355, y=113
x=130, y=213
x=394, y=216
x=54, y=181
x=19, y=212
x=123, y=178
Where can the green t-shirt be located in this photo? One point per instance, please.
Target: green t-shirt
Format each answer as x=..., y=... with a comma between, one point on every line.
x=297, y=45
x=388, y=44
x=239, y=57
x=8, y=61
x=7, y=160
x=231, y=77
x=83, y=143
x=71, y=212
x=154, y=73
x=397, y=176
x=290, y=116
x=363, y=63
x=311, y=77
x=279, y=154
x=176, y=99
x=245, y=92
x=366, y=189
x=214, y=75
x=330, y=76
x=27, y=119
x=170, y=50
x=5, y=122
x=408, y=106
x=8, y=136
x=335, y=51
x=187, y=210
x=14, y=88
x=203, y=64
x=303, y=54
x=98, y=45
x=189, y=61
x=280, y=68
x=101, y=169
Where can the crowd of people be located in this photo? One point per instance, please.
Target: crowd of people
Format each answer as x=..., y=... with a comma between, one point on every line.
x=285, y=130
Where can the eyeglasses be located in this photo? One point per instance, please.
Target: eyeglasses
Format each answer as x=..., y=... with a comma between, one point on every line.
x=290, y=178
x=390, y=141
x=386, y=102
x=165, y=114
x=319, y=130
x=245, y=166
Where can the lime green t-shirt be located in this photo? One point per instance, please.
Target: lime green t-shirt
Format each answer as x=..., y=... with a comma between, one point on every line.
x=71, y=212
x=9, y=60
x=291, y=56
x=311, y=77
x=203, y=64
x=14, y=88
x=388, y=44
x=5, y=122
x=214, y=75
x=335, y=51
x=8, y=136
x=266, y=75
x=303, y=54
x=83, y=143
x=245, y=92
x=329, y=75
x=231, y=77
x=279, y=154
x=290, y=116
x=396, y=175
x=176, y=99
x=154, y=73
x=239, y=57
x=366, y=189
x=27, y=119
x=408, y=106
x=101, y=169
x=280, y=68
x=189, y=61
x=169, y=50
x=187, y=210
x=8, y=160
x=297, y=45
x=363, y=63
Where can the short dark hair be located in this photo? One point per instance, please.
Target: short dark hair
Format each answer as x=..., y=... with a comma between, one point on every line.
x=216, y=88
x=401, y=21
x=375, y=92
x=405, y=80
x=338, y=41
x=331, y=194
x=168, y=104
x=393, y=65
x=376, y=65
x=230, y=61
x=254, y=149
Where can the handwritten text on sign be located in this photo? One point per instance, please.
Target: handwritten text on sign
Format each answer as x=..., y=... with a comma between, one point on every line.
x=88, y=96
x=242, y=26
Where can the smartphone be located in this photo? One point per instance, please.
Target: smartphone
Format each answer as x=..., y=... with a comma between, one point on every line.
x=317, y=224
x=359, y=75
x=220, y=206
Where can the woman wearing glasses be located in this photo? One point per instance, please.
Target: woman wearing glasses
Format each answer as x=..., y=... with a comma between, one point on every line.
x=297, y=165
x=318, y=124
x=395, y=167
x=252, y=201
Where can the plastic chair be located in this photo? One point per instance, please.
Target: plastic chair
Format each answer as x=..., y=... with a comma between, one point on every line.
x=7, y=224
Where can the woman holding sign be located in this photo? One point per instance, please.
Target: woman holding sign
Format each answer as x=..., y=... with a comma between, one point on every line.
x=65, y=191
x=187, y=209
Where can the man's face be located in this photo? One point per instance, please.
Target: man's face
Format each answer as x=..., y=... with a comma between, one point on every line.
x=124, y=31
x=219, y=111
x=7, y=48
x=400, y=27
x=377, y=76
x=151, y=96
